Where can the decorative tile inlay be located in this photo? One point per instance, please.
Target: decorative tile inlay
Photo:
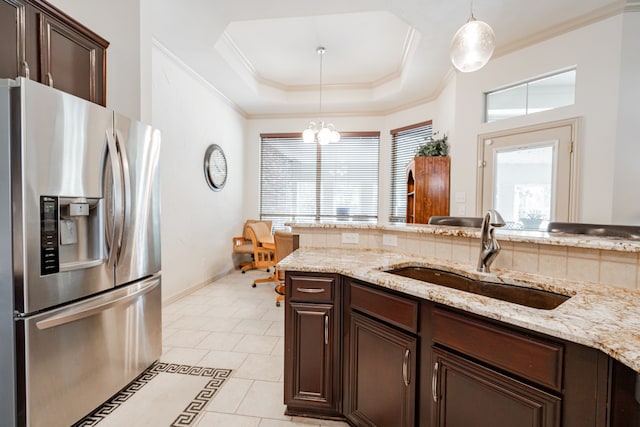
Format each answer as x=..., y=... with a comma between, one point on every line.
x=188, y=415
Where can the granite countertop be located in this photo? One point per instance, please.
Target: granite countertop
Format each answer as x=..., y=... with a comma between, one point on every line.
x=598, y=316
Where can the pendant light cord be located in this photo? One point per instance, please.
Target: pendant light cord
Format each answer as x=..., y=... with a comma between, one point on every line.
x=321, y=53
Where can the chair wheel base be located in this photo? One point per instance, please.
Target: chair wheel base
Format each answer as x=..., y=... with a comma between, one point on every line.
x=243, y=271
x=277, y=303
x=253, y=285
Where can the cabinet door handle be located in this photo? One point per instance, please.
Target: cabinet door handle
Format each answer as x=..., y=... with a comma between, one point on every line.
x=326, y=329
x=434, y=382
x=49, y=79
x=310, y=290
x=25, y=67
x=405, y=368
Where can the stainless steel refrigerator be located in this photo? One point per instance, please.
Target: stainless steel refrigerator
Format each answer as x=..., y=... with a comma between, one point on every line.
x=80, y=296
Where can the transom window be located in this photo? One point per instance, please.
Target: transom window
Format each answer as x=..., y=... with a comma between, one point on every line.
x=312, y=183
x=545, y=93
x=404, y=142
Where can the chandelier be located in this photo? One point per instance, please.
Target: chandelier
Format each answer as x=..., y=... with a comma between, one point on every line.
x=320, y=132
x=472, y=45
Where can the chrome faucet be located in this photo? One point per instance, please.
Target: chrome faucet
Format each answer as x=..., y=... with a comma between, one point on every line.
x=490, y=246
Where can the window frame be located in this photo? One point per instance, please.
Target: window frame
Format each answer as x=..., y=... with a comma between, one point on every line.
x=318, y=216
x=398, y=181
x=526, y=84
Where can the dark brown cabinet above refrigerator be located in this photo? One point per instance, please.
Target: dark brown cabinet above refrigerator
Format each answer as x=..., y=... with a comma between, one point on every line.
x=43, y=44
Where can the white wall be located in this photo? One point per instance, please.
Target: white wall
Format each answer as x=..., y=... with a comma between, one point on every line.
x=197, y=223
x=117, y=21
x=595, y=51
x=626, y=191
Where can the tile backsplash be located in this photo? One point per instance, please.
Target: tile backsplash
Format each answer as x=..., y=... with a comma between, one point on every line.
x=595, y=265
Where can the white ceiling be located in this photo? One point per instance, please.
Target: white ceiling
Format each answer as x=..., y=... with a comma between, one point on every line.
x=381, y=55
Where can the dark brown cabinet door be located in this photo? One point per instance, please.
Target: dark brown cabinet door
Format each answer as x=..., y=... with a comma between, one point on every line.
x=310, y=348
x=382, y=375
x=69, y=61
x=466, y=394
x=12, y=38
x=40, y=42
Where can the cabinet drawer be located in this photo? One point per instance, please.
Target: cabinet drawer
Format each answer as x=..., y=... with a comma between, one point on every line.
x=312, y=288
x=528, y=357
x=385, y=306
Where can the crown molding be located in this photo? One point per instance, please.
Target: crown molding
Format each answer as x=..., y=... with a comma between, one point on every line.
x=410, y=43
x=179, y=62
x=600, y=14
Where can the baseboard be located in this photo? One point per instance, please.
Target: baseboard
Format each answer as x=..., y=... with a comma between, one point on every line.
x=195, y=287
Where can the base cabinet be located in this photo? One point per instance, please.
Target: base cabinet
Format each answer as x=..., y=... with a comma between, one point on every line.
x=312, y=347
x=382, y=369
x=375, y=357
x=467, y=394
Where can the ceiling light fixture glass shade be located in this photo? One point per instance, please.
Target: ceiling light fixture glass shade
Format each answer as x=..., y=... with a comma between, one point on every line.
x=320, y=132
x=472, y=45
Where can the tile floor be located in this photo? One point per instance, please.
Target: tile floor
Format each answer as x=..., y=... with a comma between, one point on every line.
x=229, y=324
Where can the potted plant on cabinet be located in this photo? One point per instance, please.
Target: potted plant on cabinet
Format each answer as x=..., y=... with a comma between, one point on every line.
x=433, y=147
x=428, y=181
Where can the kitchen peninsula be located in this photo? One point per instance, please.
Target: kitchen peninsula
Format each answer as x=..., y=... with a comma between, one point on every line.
x=574, y=365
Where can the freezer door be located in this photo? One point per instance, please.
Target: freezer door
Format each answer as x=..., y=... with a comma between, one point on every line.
x=77, y=357
x=139, y=252
x=57, y=152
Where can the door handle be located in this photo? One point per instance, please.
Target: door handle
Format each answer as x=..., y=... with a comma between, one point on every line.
x=25, y=67
x=434, y=382
x=49, y=79
x=115, y=236
x=87, y=309
x=126, y=195
x=405, y=368
x=326, y=329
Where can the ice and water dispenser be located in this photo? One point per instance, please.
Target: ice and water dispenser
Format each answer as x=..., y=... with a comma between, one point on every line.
x=70, y=234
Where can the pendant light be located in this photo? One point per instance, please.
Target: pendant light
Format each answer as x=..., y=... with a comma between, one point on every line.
x=472, y=45
x=320, y=132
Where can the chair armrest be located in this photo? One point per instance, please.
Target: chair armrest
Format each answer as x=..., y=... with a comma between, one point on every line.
x=239, y=241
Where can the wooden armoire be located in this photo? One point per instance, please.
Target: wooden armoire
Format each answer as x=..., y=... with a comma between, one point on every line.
x=427, y=188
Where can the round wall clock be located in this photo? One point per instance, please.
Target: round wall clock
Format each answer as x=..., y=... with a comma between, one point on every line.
x=215, y=167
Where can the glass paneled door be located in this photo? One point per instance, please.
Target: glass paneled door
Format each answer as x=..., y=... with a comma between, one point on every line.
x=526, y=176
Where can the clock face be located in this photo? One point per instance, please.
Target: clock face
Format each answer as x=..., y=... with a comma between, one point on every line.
x=215, y=167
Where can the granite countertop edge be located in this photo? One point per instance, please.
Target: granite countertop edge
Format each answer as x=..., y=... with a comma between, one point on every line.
x=603, y=317
x=520, y=236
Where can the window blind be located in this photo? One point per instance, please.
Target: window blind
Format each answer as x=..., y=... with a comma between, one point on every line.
x=404, y=142
x=309, y=182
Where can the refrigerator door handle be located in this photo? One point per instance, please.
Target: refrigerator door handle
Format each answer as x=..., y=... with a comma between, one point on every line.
x=115, y=236
x=126, y=196
x=86, y=309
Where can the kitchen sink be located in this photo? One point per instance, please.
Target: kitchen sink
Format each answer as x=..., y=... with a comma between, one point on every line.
x=529, y=297
x=458, y=221
x=629, y=232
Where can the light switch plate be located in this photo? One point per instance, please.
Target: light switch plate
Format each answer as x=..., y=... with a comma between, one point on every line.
x=461, y=196
x=350, y=238
x=389, y=240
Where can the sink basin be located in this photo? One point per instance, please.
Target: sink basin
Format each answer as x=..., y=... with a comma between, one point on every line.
x=533, y=298
x=628, y=232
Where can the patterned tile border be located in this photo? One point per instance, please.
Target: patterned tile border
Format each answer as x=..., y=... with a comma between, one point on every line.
x=190, y=413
